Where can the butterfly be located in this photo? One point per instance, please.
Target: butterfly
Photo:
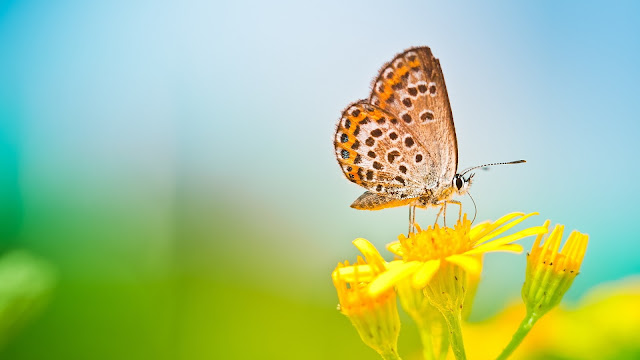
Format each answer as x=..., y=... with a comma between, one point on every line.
x=400, y=144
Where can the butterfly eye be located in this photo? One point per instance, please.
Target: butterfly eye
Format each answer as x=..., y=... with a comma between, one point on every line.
x=458, y=182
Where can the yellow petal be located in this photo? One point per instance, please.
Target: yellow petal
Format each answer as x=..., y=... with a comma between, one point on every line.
x=425, y=273
x=390, y=277
x=516, y=248
x=504, y=228
x=507, y=239
x=396, y=248
x=480, y=230
x=470, y=264
x=536, y=243
x=370, y=253
x=354, y=273
x=394, y=263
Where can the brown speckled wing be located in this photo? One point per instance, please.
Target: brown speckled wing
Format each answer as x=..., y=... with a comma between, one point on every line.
x=374, y=150
x=412, y=89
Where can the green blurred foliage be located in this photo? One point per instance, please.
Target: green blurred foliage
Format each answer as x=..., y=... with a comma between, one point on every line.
x=25, y=286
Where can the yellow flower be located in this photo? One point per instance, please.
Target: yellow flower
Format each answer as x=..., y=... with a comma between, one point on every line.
x=439, y=260
x=427, y=251
x=375, y=317
x=551, y=272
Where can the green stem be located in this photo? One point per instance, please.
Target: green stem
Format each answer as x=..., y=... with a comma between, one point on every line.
x=390, y=355
x=455, y=333
x=426, y=335
x=519, y=335
x=444, y=340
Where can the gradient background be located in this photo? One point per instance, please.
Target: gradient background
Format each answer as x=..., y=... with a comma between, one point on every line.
x=174, y=161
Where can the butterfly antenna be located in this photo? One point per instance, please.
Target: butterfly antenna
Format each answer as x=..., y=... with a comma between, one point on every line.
x=475, y=208
x=500, y=163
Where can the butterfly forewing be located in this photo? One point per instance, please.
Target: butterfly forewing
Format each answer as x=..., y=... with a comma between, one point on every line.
x=412, y=89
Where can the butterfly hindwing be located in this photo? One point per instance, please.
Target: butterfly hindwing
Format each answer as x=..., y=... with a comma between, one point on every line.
x=371, y=147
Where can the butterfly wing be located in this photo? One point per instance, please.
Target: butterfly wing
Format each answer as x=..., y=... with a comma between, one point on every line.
x=412, y=89
x=371, y=148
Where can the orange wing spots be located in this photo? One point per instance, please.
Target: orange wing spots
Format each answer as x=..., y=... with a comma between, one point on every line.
x=392, y=78
x=353, y=173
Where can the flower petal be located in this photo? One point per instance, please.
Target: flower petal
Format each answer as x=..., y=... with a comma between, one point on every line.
x=470, y=264
x=490, y=246
x=370, y=253
x=482, y=229
x=516, y=248
x=425, y=273
x=500, y=230
x=396, y=248
x=354, y=273
x=389, y=278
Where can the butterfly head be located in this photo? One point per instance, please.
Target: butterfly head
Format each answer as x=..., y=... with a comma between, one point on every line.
x=461, y=184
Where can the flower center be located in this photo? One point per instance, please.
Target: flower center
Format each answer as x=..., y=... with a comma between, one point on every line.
x=437, y=242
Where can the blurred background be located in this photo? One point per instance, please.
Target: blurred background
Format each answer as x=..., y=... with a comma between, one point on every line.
x=168, y=167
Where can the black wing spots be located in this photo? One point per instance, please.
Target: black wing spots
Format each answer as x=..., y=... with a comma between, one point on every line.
x=392, y=155
x=370, y=141
x=369, y=174
x=427, y=115
x=376, y=133
x=432, y=89
x=408, y=141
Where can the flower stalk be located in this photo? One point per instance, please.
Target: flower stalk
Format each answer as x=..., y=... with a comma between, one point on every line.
x=427, y=318
x=446, y=291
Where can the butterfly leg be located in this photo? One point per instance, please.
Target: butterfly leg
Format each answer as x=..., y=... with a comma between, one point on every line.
x=444, y=214
x=438, y=216
x=412, y=218
x=459, y=204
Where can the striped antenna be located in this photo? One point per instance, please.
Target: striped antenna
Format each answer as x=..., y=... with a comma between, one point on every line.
x=500, y=163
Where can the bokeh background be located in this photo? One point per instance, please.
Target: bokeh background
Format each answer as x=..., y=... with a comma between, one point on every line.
x=173, y=161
